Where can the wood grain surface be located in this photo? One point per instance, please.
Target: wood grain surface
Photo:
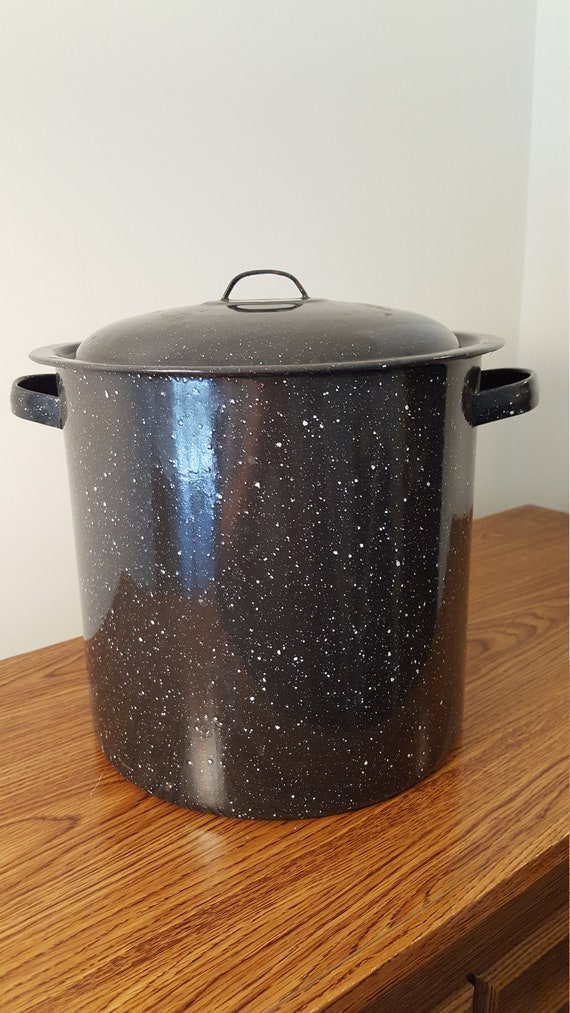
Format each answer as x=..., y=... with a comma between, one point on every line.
x=111, y=900
x=530, y=974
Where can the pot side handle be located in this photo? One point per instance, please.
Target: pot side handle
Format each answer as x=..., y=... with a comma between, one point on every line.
x=37, y=398
x=500, y=394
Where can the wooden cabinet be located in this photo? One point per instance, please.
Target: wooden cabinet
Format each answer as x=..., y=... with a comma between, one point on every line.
x=515, y=961
x=448, y=898
x=531, y=975
x=461, y=1001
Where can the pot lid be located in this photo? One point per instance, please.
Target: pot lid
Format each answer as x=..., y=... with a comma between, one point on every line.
x=232, y=336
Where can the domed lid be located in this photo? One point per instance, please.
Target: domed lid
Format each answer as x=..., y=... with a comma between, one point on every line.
x=253, y=334
x=232, y=336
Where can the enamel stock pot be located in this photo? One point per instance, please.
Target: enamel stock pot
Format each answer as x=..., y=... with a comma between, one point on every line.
x=272, y=506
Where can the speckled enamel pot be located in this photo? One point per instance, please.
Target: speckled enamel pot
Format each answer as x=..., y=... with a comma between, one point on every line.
x=272, y=507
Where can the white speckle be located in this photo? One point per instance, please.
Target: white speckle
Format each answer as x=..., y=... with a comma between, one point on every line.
x=278, y=727
x=305, y=423
x=257, y=485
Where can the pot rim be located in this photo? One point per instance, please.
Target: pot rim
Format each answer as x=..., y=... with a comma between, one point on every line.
x=470, y=345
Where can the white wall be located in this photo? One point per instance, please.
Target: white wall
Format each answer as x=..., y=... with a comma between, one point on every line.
x=543, y=330
x=527, y=462
x=378, y=150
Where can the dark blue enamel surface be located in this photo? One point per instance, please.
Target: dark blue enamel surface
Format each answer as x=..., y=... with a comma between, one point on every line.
x=273, y=576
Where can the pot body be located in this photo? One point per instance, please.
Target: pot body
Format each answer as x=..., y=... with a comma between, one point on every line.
x=273, y=576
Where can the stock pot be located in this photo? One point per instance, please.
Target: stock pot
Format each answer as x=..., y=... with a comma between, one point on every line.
x=272, y=504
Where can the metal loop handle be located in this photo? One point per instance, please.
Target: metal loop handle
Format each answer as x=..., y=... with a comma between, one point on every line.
x=247, y=274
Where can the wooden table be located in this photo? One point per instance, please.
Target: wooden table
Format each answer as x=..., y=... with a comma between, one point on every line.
x=448, y=897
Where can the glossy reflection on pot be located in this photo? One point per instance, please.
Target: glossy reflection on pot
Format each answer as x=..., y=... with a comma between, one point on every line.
x=274, y=604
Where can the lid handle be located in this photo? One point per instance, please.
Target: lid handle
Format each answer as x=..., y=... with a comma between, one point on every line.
x=246, y=274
